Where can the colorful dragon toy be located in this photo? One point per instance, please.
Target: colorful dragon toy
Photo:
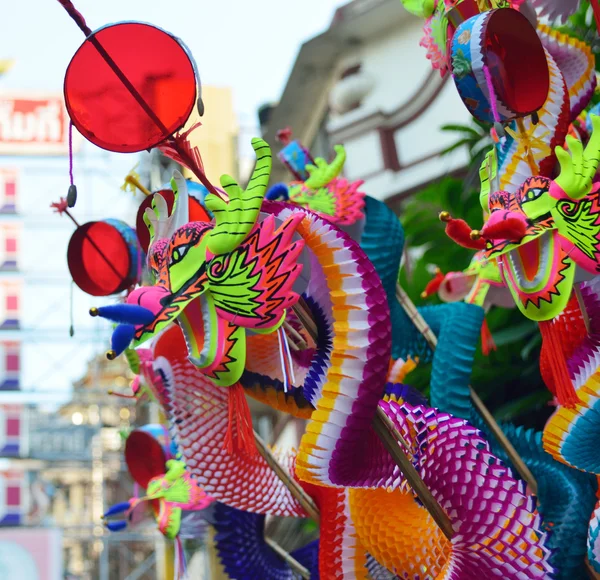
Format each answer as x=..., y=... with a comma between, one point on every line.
x=538, y=227
x=230, y=285
x=228, y=277
x=570, y=432
x=183, y=511
x=323, y=191
x=179, y=505
x=199, y=421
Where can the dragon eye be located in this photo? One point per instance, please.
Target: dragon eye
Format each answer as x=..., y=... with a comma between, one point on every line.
x=533, y=193
x=178, y=253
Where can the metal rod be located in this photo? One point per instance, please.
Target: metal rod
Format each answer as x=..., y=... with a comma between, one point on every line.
x=431, y=338
x=293, y=486
x=293, y=563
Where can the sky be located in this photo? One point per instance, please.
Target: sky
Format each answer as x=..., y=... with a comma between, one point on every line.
x=249, y=46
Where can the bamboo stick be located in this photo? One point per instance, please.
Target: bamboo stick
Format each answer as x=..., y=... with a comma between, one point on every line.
x=390, y=437
x=586, y=318
x=294, y=487
x=431, y=339
x=395, y=444
x=295, y=339
x=293, y=563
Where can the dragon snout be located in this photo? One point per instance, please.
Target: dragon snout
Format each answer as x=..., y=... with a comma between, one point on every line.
x=505, y=225
x=141, y=308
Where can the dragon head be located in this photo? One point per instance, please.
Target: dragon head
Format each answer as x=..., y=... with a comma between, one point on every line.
x=170, y=494
x=480, y=283
x=214, y=279
x=542, y=232
x=324, y=192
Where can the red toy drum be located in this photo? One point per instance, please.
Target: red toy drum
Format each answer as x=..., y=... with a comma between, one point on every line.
x=499, y=66
x=130, y=86
x=147, y=452
x=104, y=257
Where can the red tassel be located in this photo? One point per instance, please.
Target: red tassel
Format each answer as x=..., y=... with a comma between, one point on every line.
x=509, y=226
x=433, y=285
x=240, y=432
x=570, y=326
x=555, y=364
x=460, y=232
x=487, y=340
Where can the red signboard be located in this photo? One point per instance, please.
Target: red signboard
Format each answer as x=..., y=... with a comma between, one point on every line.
x=33, y=125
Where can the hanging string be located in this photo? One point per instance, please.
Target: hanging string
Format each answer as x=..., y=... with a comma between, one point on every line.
x=72, y=193
x=288, y=357
x=285, y=359
x=71, y=319
x=71, y=152
x=282, y=360
x=76, y=16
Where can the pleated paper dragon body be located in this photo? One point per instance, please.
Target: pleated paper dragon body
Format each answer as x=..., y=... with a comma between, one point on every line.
x=184, y=511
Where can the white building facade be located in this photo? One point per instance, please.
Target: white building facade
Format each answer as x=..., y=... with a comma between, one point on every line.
x=366, y=83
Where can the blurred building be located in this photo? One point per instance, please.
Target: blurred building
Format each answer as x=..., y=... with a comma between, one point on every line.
x=217, y=137
x=366, y=83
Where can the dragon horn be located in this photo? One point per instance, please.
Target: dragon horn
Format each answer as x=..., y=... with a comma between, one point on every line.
x=157, y=218
x=175, y=469
x=487, y=175
x=181, y=211
x=235, y=219
x=324, y=173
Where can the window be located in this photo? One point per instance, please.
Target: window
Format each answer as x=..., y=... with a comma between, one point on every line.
x=13, y=362
x=10, y=191
x=12, y=303
x=13, y=426
x=11, y=244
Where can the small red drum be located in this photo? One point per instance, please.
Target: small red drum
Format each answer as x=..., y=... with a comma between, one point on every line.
x=130, y=86
x=499, y=66
x=147, y=451
x=104, y=257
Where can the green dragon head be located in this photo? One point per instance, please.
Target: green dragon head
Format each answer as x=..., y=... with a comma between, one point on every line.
x=214, y=279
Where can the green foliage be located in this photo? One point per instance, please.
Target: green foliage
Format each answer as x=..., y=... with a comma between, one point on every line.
x=475, y=137
x=508, y=380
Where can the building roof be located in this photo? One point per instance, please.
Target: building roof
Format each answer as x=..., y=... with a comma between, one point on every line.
x=304, y=99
